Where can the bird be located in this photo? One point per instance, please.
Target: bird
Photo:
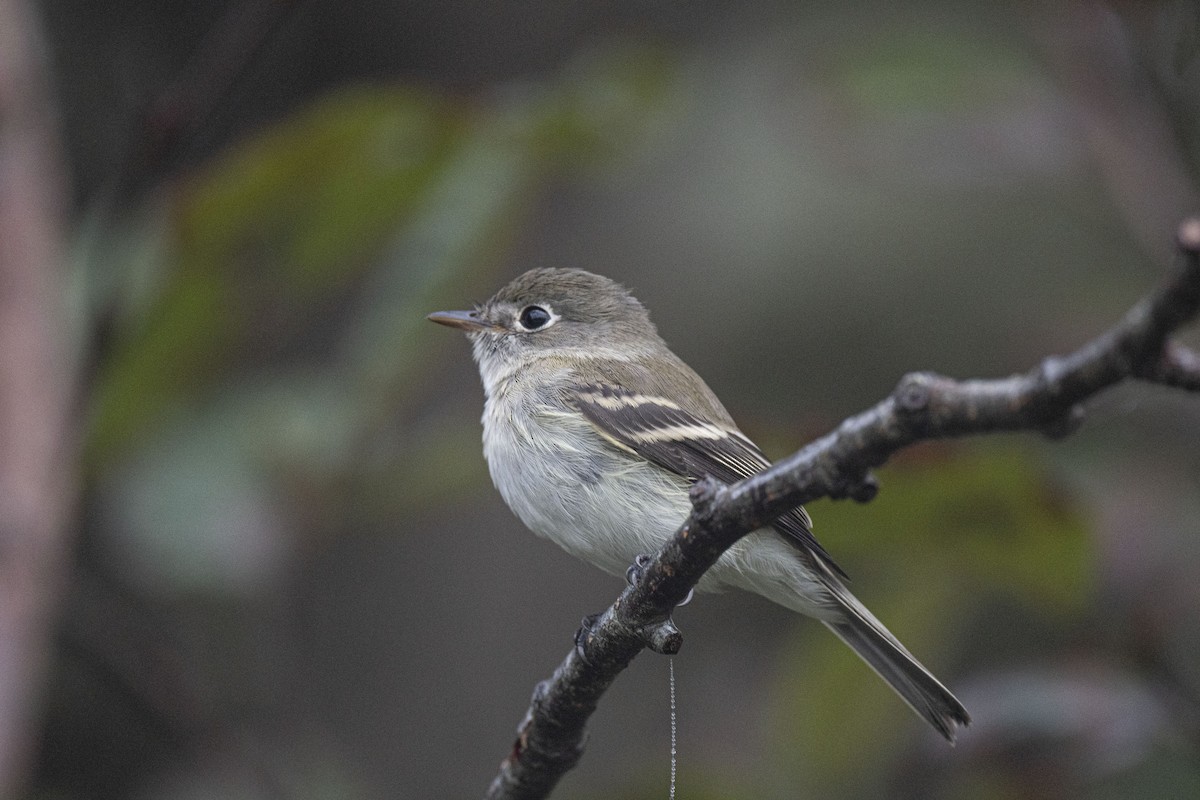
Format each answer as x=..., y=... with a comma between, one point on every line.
x=594, y=431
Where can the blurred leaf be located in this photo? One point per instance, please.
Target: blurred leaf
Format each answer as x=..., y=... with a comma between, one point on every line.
x=980, y=518
x=191, y=514
x=605, y=102
x=952, y=526
x=116, y=268
x=314, y=197
x=283, y=226
x=917, y=69
x=264, y=233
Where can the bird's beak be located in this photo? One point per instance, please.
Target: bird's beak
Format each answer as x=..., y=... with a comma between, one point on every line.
x=466, y=320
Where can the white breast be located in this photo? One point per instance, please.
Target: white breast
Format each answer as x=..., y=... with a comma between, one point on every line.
x=569, y=485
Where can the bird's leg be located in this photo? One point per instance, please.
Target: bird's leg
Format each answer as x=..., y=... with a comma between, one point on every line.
x=588, y=625
x=660, y=636
x=637, y=569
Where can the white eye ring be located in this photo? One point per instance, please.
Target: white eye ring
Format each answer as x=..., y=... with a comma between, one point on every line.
x=535, y=317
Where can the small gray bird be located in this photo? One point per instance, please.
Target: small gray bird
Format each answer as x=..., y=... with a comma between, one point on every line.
x=593, y=431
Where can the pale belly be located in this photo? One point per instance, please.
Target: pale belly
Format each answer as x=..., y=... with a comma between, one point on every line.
x=603, y=506
x=591, y=500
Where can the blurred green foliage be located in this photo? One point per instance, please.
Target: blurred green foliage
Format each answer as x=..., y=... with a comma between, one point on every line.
x=983, y=522
x=987, y=517
x=217, y=395
x=910, y=69
x=377, y=196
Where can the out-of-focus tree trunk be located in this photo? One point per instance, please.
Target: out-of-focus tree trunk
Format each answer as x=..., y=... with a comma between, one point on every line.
x=36, y=441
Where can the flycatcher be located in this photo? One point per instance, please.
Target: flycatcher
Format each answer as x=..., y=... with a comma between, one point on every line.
x=593, y=431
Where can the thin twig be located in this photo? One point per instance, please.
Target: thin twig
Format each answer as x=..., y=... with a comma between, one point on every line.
x=923, y=406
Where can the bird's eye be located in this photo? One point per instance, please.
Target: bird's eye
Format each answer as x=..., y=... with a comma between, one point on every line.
x=534, y=317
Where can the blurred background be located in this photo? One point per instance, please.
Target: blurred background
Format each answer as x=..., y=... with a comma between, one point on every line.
x=258, y=553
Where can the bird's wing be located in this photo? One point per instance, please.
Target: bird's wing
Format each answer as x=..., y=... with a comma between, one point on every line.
x=662, y=432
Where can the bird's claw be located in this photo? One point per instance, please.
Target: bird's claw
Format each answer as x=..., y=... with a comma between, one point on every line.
x=586, y=626
x=633, y=575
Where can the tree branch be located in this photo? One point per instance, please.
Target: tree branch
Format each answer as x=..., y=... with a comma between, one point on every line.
x=923, y=406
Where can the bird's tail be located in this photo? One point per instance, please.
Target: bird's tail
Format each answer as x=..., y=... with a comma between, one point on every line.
x=881, y=650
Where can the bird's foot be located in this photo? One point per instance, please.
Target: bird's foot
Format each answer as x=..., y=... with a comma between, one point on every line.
x=661, y=637
x=637, y=570
x=587, y=627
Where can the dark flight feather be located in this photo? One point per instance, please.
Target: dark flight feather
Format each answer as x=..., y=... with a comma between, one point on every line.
x=662, y=432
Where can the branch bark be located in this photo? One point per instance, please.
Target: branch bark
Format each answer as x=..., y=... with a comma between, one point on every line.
x=923, y=406
x=36, y=476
